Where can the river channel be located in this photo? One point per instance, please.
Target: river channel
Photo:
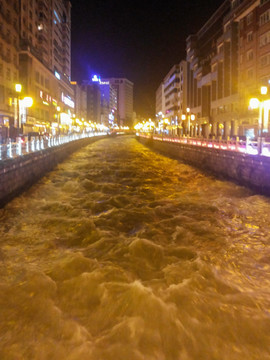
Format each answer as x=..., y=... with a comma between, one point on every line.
x=121, y=253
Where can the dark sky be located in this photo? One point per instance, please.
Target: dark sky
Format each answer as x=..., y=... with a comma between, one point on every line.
x=138, y=40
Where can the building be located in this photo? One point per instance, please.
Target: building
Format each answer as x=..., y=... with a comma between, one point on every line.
x=35, y=53
x=44, y=62
x=80, y=97
x=108, y=104
x=93, y=101
x=229, y=60
x=253, y=18
x=171, y=98
x=124, y=90
x=9, y=66
x=206, y=71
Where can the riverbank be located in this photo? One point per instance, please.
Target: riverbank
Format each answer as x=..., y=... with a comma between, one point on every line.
x=252, y=171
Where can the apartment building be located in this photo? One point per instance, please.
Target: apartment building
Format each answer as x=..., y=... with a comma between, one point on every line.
x=124, y=90
x=208, y=66
x=229, y=60
x=35, y=53
x=93, y=100
x=80, y=97
x=253, y=18
x=45, y=63
x=9, y=65
x=171, y=98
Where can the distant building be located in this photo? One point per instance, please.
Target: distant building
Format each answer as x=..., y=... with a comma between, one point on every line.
x=108, y=103
x=171, y=97
x=124, y=90
x=80, y=96
x=93, y=101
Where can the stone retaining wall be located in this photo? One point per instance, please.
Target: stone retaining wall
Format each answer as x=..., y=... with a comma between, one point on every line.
x=20, y=173
x=252, y=171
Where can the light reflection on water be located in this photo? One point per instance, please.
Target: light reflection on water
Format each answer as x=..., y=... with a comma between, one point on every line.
x=121, y=253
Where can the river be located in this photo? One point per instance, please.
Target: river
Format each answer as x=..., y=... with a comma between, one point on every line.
x=121, y=253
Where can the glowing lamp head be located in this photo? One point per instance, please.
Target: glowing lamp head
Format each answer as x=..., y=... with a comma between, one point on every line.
x=183, y=117
x=58, y=108
x=254, y=103
x=27, y=102
x=188, y=110
x=18, y=88
x=192, y=117
x=264, y=90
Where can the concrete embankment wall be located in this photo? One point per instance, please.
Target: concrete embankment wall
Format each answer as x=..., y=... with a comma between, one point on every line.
x=18, y=174
x=252, y=171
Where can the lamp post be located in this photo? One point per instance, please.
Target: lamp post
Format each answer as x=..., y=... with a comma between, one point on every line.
x=188, y=116
x=17, y=121
x=58, y=119
x=25, y=103
x=263, y=106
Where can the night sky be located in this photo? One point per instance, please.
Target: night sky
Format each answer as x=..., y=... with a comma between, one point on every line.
x=138, y=40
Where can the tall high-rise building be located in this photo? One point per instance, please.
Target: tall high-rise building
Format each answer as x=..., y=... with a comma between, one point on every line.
x=45, y=27
x=35, y=52
x=124, y=90
x=9, y=64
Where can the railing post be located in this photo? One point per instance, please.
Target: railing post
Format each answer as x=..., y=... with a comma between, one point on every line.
x=32, y=144
x=27, y=145
x=9, y=148
x=18, y=146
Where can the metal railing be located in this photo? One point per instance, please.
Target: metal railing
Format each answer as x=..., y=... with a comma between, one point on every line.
x=22, y=146
x=247, y=146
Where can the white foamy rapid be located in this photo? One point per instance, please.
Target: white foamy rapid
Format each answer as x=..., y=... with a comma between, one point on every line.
x=123, y=254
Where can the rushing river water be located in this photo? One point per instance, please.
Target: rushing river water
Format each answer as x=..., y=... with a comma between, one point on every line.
x=124, y=254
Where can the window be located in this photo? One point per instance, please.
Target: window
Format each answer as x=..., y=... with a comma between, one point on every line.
x=265, y=60
x=264, y=39
x=241, y=59
x=250, y=55
x=250, y=36
x=265, y=17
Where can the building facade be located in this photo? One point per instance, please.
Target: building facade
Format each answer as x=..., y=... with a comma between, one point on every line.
x=229, y=60
x=93, y=101
x=80, y=97
x=171, y=99
x=124, y=91
x=35, y=53
x=9, y=65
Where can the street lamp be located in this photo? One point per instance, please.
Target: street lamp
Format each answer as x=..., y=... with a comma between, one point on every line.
x=188, y=116
x=264, y=107
x=25, y=103
x=58, y=118
x=18, y=89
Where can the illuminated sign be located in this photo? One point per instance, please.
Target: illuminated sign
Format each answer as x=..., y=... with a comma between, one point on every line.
x=67, y=100
x=96, y=78
x=45, y=97
x=57, y=75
